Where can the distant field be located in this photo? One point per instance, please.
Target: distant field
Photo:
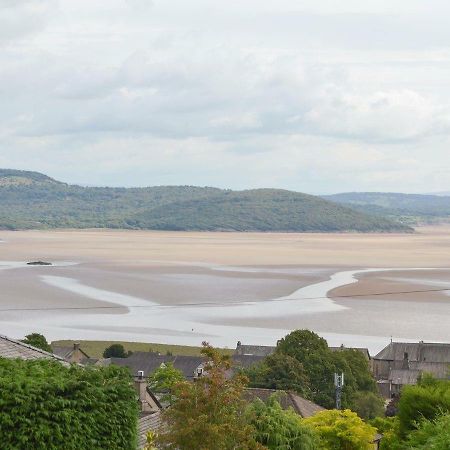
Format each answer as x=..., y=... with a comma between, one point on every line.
x=95, y=349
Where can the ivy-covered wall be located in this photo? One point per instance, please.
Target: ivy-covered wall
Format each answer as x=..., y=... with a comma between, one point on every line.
x=45, y=405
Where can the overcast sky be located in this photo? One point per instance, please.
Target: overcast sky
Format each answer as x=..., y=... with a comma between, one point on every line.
x=317, y=96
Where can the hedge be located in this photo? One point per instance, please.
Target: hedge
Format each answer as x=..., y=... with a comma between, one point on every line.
x=45, y=405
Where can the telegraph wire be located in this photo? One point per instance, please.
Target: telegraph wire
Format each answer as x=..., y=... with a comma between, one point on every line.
x=76, y=308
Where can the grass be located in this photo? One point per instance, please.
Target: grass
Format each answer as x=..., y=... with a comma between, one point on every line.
x=95, y=349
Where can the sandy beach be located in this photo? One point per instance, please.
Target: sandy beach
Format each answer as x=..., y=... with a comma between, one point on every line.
x=223, y=287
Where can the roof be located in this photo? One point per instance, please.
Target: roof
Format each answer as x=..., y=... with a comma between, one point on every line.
x=363, y=350
x=149, y=362
x=66, y=352
x=256, y=350
x=146, y=423
x=245, y=361
x=417, y=351
x=300, y=405
x=10, y=348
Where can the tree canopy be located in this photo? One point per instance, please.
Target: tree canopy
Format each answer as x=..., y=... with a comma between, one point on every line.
x=209, y=411
x=115, y=351
x=278, y=429
x=37, y=340
x=304, y=363
x=342, y=430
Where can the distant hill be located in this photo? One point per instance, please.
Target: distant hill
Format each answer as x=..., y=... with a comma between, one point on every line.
x=31, y=200
x=412, y=208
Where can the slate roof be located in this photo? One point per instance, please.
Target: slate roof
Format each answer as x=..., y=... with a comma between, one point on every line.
x=10, y=348
x=245, y=361
x=256, y=350
x=300, y=405
x=146, y=423
x=363, y=350
x=417, y=351
x=66, y=352
x=149, y=362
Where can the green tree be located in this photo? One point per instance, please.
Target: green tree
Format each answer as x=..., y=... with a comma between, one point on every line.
x=277, y=429
x=313, y=353
x=425, y=400
x=320, y=364
x=342, y=430
x=209, y=414
x=115, y=351
x=280, y=371
x=37, y=340
x=367, y=405
x=431, y=434
x=359, y=367
x=163, y=380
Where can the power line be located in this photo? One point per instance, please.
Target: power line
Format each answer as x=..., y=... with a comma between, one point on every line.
x=71, y=308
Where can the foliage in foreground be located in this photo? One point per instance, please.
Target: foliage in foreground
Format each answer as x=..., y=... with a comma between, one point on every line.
x=428, y=399
x=278, y=429
x=431, y=434
x=342, y=430
x=37, y=340
x=211, y=410
x=47, y=406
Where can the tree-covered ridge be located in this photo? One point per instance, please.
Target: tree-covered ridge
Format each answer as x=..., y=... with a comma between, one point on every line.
x=395, y=205
x=41, y=202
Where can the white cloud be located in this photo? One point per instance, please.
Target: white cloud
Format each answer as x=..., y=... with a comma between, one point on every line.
x=315, y=96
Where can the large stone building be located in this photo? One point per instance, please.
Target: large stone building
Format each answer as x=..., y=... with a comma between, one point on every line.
x=402, y=363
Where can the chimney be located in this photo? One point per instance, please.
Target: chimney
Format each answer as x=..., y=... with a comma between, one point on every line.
x=140, y=383
x=76, y=346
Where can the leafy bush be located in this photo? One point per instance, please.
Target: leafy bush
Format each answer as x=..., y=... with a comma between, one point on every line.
x=47, y=406
x=426, y=400
x=367, y=405
x=277, y=429
x=431, y=434
x=342, y=430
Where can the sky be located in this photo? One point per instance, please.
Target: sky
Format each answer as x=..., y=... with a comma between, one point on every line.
x=316, y=96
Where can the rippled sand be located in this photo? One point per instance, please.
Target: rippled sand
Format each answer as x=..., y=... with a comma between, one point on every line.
x=224, y=287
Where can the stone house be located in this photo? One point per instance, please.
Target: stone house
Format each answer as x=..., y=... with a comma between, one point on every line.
x=402, y=363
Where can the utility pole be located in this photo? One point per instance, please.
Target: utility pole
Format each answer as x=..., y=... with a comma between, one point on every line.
x=338, y=384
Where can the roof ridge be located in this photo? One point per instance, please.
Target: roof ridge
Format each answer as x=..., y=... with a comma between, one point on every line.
x=36, y=349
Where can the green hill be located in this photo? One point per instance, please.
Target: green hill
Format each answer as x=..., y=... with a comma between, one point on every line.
x=31, y=200
x=412, y=208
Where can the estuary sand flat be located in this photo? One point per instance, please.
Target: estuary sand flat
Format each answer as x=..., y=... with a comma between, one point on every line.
x=180, y=287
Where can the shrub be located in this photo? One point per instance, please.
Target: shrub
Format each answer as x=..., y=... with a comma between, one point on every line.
x=426, y=400
x=47, y=406
x=431, y=434
x=342, y=430
x=277, y=429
